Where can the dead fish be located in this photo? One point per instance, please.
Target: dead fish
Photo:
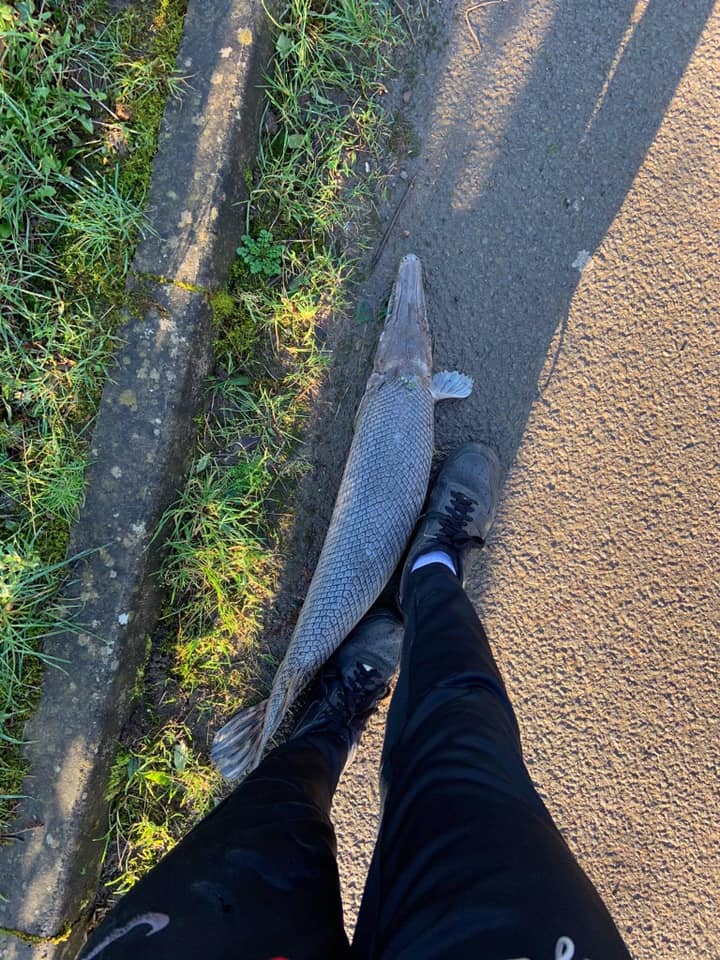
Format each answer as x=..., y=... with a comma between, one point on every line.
x=380, y=498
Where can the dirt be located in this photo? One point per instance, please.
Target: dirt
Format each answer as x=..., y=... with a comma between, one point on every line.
x=565, y=207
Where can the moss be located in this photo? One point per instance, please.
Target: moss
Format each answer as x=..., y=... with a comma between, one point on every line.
x=53, y=540
x=139, y=683
x=237, y=333
x=223, y=306
x=33, y=938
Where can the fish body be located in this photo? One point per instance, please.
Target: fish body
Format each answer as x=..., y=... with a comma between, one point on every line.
x=380, y=498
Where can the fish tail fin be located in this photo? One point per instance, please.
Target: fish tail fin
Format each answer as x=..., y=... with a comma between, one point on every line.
x=237, y=747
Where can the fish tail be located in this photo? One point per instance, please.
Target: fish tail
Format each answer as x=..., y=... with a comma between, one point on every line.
x=238, y=746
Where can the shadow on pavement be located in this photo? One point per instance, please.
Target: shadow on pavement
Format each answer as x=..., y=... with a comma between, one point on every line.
x=499, y=261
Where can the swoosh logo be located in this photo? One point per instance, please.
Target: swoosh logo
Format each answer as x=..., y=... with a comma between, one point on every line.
x=156, y=922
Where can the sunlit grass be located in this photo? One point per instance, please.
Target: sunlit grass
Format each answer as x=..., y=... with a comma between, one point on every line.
x=170, y=774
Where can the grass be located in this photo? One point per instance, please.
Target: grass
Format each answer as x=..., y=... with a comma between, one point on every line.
x=169, y=773
x=323, y=130
x=80, y=105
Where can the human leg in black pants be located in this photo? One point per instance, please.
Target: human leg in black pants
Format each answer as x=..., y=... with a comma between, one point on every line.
x=468, y=862
x=257, y=878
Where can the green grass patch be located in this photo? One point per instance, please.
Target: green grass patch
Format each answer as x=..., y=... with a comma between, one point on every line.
x=323, y=130
x=140, y=778
x=81, y=98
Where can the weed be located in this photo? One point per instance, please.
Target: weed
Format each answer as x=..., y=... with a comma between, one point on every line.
x=404, y=140
x=101, y=227
x=261, y=254
x=27, y=612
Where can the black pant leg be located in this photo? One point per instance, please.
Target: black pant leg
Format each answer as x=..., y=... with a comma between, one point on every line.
x=468, y=863
x=256, y=879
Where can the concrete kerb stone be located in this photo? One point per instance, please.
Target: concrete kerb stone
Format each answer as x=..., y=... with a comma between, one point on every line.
x=140, y=447
x=193, y=204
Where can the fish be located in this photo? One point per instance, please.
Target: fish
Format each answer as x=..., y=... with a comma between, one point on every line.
x=381, y=495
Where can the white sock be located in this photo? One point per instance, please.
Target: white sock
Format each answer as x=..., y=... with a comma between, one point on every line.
x=434, y=556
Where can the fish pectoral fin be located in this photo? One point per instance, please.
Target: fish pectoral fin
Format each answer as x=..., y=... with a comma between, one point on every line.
x=451, y=385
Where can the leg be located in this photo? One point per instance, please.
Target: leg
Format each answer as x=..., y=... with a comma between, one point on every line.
x=256, y=879
x=468, y=863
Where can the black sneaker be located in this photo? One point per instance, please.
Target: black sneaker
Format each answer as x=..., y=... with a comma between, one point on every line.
x=460, y=509
x=355, y=679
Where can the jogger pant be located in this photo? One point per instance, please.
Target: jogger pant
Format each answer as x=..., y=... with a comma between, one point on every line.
x=468, y=863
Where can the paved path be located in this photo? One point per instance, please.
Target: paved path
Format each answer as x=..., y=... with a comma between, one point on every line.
x=587, y=132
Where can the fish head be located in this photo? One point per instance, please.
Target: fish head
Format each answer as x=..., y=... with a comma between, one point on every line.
x=405, y=347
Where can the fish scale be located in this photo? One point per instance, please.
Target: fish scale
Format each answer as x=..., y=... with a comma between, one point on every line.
x=377, y=506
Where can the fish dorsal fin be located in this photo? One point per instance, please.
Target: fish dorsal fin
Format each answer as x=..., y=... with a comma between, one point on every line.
x=449, y=385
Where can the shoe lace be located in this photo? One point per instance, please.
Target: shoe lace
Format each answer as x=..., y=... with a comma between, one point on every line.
x=454, y=519
x=364, y=682
x=354, y=691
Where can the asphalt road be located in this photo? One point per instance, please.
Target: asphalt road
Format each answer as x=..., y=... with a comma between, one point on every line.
x=566, y=207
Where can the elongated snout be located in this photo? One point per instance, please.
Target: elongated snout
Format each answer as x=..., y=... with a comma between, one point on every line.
x=404, y=345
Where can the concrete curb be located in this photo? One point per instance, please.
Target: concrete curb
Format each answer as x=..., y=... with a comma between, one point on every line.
x=141, y=442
